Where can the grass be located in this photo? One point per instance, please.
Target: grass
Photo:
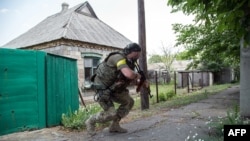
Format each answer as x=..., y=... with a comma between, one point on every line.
x=178, y=100
x=75, y=119
x=216, y=125
x=232, y=118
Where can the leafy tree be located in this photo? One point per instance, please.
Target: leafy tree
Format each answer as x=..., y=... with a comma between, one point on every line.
x=155, y=58
x=182, y=55
x=211, y=48
x=210, y=38
x=233, y=15
x=228, y=17
x=205, y=45
x=167, y=58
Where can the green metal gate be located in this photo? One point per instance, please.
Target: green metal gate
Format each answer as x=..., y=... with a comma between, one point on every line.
x=62, y=87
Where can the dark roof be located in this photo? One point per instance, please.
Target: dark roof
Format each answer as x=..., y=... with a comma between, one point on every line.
x=77, y=23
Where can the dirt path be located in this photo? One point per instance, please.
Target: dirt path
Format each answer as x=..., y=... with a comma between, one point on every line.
x=172, y=125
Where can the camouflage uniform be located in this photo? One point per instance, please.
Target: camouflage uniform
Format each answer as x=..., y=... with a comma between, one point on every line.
x=111, y=86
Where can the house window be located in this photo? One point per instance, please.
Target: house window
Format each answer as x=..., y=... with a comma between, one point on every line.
x=90, y=65
x=91, y=61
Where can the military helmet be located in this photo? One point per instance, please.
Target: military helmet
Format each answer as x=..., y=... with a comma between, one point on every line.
x=131, y=47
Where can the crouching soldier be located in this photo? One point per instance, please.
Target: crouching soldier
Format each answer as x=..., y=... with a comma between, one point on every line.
x=111, y=80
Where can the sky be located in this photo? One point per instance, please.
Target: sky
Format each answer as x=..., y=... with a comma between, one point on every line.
x=18, y=16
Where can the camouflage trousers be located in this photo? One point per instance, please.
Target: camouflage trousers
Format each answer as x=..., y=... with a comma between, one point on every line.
x=106, y=100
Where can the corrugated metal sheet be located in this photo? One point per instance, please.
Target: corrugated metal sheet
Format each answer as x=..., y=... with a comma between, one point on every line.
x=22, y=90
x=35, y=89
x=62, y=87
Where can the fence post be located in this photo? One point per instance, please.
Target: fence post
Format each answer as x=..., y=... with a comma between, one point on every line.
x=175, y=82
x=156, y=84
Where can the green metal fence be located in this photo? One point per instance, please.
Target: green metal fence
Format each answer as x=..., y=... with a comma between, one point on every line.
x=22, y=90
x=35, y=89
x=62, y=87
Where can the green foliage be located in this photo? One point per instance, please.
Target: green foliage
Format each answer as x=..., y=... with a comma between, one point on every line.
x=209, y=49
x=75, y=120
x=167, y=95
x=167, y=58
x=162, y=97
x=229, y=15
x=183, y=98
x=170, y=94
x=213, y=40
x=154, y=59
x=233, y=118
x=182, y=56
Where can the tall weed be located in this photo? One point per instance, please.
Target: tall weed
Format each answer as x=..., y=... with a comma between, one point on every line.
x=75, y=119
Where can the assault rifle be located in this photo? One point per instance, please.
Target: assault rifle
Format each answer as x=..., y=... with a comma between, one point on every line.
x=142, y=80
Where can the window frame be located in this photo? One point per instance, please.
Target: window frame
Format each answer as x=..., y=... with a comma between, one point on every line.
x=95, y=59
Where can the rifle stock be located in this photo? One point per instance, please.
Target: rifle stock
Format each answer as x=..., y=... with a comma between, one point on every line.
x=142, y=80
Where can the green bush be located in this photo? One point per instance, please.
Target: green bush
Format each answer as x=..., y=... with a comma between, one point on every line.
x=170, y=94
x=162, y=97
x=75, y=120
x=233, y=118
x=166, y=96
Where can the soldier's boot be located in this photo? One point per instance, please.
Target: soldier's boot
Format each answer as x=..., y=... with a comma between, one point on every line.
x=90, y=125
x=101, y=117
x=115, y=126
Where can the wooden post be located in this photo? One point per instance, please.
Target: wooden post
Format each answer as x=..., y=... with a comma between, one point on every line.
x=80, y=94
x=156, y=84
x=188, y=82
x=143, y=57
x=175, y=82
